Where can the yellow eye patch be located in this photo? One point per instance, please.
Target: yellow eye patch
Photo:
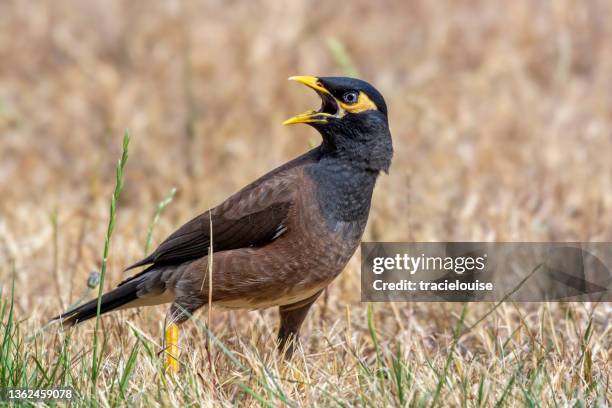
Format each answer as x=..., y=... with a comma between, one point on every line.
x=364, y=103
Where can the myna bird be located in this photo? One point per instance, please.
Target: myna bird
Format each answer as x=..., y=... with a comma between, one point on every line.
x=280, y=240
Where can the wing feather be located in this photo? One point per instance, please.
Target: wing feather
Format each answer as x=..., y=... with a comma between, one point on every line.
x=254, y=216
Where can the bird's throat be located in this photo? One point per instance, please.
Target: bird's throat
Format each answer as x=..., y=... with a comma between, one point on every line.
x=344, y=191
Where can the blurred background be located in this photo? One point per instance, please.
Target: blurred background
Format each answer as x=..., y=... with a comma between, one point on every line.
x=501, y=115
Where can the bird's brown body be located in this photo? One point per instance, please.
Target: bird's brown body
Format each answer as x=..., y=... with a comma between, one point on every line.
x=305, y=253
x=280, y=240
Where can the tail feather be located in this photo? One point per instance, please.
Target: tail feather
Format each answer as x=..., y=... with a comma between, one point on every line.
x=112, y=300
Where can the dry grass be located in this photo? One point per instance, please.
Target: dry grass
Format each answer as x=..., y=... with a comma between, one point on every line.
x=502, y=122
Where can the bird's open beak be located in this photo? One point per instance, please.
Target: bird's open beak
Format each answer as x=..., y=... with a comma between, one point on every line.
x=329, y=106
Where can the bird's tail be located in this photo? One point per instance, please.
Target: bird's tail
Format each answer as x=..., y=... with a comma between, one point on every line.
x=116, y=298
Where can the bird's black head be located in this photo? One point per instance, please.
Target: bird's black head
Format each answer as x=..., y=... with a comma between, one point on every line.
x=352, y=120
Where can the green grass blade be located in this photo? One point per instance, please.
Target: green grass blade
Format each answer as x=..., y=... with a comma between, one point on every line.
x=109, y=232
x=158, y=211
x=449, y=359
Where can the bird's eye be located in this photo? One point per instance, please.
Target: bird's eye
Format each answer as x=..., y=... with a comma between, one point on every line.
x=350, y=97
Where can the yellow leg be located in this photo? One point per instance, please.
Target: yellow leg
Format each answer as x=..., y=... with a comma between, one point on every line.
x=172, y=350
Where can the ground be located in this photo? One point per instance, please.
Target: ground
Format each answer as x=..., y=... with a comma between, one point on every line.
x=501, y=115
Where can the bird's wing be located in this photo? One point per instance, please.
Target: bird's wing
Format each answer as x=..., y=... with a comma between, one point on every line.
x=254, y=216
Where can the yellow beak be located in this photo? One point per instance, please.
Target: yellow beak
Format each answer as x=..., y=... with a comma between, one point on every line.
x=310, y=81
x=310, y=116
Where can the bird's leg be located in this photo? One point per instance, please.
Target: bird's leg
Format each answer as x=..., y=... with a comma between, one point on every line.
x=174, y=317
x=171, y=349
x=180, y=311
x=291, y=318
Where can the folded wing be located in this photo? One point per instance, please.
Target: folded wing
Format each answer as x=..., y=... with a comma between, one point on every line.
x=254, y=216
